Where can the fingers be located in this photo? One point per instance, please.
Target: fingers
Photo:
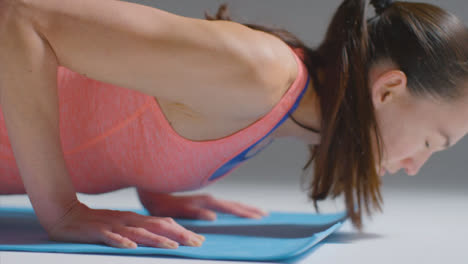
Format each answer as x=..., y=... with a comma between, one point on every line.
x=235, y=208
x=167, y=227
x=160, y=232
x=251, y=209
x=194, y=212
x=128, y=229
x=94, y=233
x=124, y=230
x=116, y=240
x=143, y=236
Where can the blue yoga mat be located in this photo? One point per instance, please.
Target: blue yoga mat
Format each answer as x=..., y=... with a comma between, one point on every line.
x=277, y=237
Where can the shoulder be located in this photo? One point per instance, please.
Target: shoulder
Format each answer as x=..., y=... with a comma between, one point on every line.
x=275, y=69
x=278, y=68
x=272, y=65
x=270, y=59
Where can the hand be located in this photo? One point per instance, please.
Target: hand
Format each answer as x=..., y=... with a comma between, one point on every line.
x=196, y=206
x=121, y=229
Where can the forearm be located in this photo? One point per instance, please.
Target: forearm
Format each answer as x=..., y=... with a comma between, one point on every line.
x=28, y=87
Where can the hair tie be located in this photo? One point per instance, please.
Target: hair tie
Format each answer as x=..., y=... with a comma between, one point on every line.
x=381, y=5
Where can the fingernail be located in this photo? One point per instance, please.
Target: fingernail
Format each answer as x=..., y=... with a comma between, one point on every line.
x=131, y=245
x=209, y=217
x=171, y=245
x=194, y=243
x=198, y=236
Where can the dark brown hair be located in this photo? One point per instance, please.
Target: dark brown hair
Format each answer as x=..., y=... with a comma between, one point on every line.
x=427, y=43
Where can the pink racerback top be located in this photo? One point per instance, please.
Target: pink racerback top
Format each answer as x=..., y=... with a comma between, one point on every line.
x=114, y=138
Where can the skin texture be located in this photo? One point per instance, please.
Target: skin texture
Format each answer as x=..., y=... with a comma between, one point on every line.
x=308, y=114
x=411, y=127
x=32, y=59
x=215, y=58
x=200, y=206
x=28, y=97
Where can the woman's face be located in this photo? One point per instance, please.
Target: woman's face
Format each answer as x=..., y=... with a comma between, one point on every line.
x=411, y=129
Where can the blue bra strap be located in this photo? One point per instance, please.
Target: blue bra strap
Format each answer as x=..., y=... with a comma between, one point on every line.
x=241, y=157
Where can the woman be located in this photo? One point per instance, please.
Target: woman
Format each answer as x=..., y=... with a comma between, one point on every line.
x=368, y=89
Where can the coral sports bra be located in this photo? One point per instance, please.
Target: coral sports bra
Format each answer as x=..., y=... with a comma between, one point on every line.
x=113, y=137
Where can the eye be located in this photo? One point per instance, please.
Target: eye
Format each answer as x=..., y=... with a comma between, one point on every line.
x=427, y=144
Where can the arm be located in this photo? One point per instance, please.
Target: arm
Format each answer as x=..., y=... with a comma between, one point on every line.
x=162, y=54
x=28, y=96
x=29, y=101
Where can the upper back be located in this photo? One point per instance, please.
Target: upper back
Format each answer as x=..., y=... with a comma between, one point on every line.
x=210, y=66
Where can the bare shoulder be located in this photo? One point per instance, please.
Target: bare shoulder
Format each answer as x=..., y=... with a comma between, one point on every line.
x=274, y=64
x=219, y=68
x=224, y=118
x=277, y=69
x=282, y=68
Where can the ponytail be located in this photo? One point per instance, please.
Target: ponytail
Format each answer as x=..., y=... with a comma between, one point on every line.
x=345, y=161
x=344, y=157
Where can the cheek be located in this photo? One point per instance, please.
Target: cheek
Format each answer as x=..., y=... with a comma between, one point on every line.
x=401, y=149
x=399, y=138
x=395, y=146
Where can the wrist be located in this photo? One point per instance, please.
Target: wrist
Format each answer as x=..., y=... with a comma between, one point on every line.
x=55, y=216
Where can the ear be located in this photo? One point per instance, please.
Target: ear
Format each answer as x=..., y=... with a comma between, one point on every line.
x=389, y=86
